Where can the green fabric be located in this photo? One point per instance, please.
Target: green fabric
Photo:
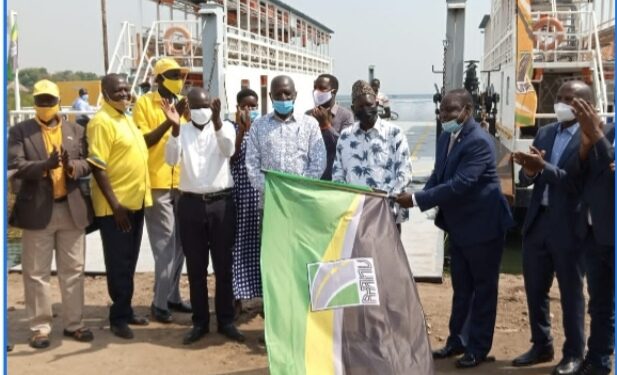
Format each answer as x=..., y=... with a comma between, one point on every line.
x=300, y=218
x=12, y=63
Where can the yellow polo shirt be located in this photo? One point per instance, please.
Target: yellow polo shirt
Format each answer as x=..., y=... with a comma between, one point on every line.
x=117, y=146
x=52, y=137
x=148, y=116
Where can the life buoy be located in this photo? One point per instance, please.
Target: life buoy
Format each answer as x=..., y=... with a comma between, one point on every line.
x=169, y=41
x=548, y=22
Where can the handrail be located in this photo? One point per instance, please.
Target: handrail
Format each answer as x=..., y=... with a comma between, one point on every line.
x=600, y=67
x=117, y=48
x=144, y=55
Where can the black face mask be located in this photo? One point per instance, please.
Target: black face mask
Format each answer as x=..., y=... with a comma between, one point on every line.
x=367, y=115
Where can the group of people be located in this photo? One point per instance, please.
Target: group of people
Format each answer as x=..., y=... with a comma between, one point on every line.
x=197, y=182
x=568, y=230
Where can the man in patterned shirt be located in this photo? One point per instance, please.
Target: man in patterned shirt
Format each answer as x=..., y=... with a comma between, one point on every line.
x=283, y=141
x=373, y=152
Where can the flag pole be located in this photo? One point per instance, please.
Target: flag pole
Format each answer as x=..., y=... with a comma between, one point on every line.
x=16, y=77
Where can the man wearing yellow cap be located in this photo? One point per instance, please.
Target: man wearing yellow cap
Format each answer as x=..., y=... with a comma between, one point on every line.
x=48, y=155
x=161, y=217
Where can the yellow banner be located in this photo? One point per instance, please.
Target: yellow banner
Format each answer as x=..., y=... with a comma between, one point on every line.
x=526, y=98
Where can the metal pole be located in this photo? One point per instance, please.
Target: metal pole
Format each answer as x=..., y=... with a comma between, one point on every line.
x=105, y=47
x=371, y=72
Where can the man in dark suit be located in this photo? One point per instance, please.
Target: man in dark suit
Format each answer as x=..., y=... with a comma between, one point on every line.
x=48, y=155
x=549, y=244
x=594, y=168
x=472, y=210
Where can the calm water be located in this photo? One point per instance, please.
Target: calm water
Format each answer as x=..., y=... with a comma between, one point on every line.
x=412, y=107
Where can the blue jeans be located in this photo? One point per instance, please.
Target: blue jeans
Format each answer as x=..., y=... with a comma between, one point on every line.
x=600, y=285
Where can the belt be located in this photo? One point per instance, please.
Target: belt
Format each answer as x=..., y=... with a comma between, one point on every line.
x=208, y=197
x=543, y=209
x=60, y=200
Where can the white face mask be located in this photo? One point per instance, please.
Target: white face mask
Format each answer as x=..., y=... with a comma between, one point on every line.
x=321, y=97
x=201, y=116
x=564, y=112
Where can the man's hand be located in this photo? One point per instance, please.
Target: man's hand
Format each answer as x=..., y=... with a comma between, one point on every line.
x=591, y=124
x=182, y=107
x=405, y=200
x=66, y=162
x=121, y=216
x=323, y=116
x=54, y=159
x=215, y=106
x=532, y=162
x=172, y=116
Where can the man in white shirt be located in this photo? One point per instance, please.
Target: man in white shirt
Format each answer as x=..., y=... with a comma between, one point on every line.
x=206, y=211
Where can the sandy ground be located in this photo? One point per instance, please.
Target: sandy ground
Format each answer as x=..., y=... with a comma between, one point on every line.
x=157, y=348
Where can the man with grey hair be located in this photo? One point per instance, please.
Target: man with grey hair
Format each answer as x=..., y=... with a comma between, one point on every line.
x=284, y=141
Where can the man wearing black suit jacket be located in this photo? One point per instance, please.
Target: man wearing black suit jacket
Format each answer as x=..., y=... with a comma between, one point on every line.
x=549, y=244
x=595, y=169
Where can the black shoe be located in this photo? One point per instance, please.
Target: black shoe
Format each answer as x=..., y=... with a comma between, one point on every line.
x=122, y=331
x=590, y=369
x=448, y=351
x=139, y=321
x=568, y=366
x=196, y=333
x=10, y=347
x=230, y=331
x=160, y=315
x=535, y=355
x=470, y=360
x=181, y=307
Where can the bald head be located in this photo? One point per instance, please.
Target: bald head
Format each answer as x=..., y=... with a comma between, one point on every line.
x=110, y=80
x=282, y=88
x=574, y=89
x=198, y=97
x=280, y=81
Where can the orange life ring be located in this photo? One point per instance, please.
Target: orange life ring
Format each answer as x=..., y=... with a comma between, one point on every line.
x=549, y=22
x=169, y=41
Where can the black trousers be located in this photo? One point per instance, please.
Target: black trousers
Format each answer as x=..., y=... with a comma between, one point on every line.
x=600, y=262
x=475, y=278
x=208, y=226
x=121, y=250
x=542, y=261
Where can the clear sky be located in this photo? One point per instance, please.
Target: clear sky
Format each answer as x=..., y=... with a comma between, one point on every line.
x=402, y=38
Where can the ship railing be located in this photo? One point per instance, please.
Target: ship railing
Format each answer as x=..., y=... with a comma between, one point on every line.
x=124, y=51
x=156, y=46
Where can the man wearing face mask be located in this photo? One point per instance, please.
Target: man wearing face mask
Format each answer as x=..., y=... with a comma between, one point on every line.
x=373, y=152
x=81, y=104
x=49, y=156
x=331, y=117
x=550, y=246
x=472, y=210
x=283, y=141
x=206, y=211
x=164, y=178
x=118, y=156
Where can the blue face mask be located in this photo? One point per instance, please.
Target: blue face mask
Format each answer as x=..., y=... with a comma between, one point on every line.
x=254, y=114
x=451, y=126
x=283, y=107
x=85, y=97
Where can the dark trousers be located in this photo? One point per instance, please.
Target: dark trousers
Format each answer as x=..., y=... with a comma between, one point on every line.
x=542, y=259
x=475, y=278
x=208, y=226
x=121, y=250
x=600, y=262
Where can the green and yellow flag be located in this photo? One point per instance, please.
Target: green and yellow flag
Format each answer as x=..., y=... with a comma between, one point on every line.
x=12, y=57
x=338, y=292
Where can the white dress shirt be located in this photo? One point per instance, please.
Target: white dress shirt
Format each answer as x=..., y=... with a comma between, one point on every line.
x=203, y=156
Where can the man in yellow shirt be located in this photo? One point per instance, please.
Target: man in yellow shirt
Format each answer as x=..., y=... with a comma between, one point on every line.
x=121, y=190
x=161, y=217
x=48, y=156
